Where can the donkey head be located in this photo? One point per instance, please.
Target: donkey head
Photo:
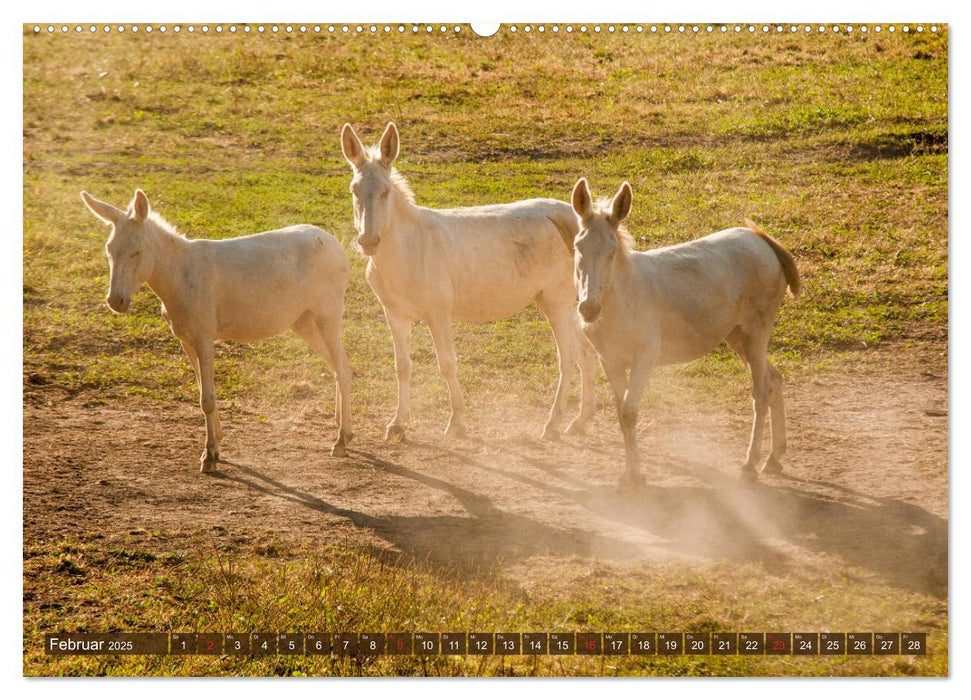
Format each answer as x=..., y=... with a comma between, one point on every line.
x=130, y=258
x=597, y=244
x=371, y=186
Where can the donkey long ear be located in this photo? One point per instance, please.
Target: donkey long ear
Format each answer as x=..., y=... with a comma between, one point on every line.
x=582, y=201
x=103, y=210
x=351, y=146
x=620, y=208
x=139, y=207
x=388, y=147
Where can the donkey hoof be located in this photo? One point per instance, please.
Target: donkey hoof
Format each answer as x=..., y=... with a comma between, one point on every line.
x=772, y=466
x=577, y=427
x=208, y=462
x=550, y=434
x=455, y=430
x=338, y=450
x=749, y=473
x=632, y=481
x=395, y=433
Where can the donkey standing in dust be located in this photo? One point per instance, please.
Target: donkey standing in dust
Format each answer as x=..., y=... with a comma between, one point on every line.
x=244, y=289
x=675, y=304
x=474, y=264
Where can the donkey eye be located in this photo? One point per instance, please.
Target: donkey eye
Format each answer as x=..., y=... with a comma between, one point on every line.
x=135, y=254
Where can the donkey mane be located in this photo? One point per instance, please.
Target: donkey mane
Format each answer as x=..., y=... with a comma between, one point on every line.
x=166, y=227
x=400, y=183
x=626, y=240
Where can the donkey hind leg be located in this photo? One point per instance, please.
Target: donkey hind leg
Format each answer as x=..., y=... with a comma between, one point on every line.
x=330, y=331
x=753, y=350
x=777, y=409
x=320, y=334
x=567, y=346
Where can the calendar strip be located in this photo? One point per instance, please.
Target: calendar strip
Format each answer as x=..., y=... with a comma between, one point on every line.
x=370, y=644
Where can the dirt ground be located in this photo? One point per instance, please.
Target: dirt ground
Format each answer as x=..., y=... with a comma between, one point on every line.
x=865, y=482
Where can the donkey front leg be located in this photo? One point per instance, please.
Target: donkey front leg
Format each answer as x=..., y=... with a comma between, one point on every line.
x=588, y=372
x=640, y=374
x=203, y=357
x=441, y=330
x=401, y=336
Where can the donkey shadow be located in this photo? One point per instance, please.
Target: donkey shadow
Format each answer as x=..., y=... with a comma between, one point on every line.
x=723, y=518
x=483, y=541
x=697, y=521
x=729, y=518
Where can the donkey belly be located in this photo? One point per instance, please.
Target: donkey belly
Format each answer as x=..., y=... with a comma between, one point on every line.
x=254, y=326
x=684, y=350
x=684, y=342
x=269, y=311
x=499, y=291
x=464, y=301
x=472, y=309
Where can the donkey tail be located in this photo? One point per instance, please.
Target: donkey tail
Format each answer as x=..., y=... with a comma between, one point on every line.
x=784, y=256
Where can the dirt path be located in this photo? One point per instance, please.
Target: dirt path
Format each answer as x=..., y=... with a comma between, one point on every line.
x=865, y=486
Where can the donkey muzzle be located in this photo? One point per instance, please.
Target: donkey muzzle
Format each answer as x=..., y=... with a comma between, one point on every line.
x=589, y=310
x=118, y=303
x=368, y=244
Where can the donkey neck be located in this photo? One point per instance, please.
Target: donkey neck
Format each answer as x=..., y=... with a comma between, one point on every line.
x=403, y=225
x=171, y=252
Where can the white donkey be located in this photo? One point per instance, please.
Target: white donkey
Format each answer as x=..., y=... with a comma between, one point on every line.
x=472, y=264
x=675, y=304
x=242, y=289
